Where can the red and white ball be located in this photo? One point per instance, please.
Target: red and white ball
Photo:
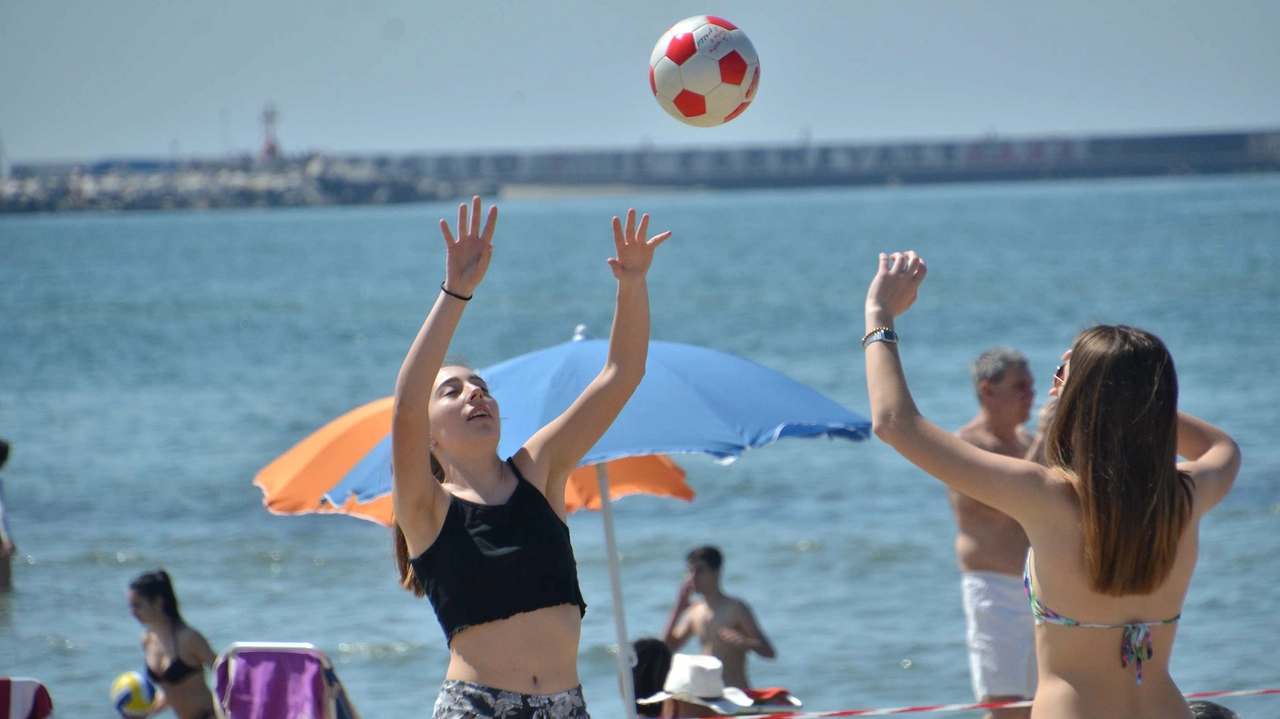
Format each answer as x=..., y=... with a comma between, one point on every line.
x=704, y=71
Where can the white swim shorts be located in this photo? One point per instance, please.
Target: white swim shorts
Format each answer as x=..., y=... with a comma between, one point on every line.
x=1002, y=635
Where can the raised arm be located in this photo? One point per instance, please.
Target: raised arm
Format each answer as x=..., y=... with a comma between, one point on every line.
x=1013, y=486
x=417, y=498
x=553, y=452
x=1213, y=460
x=677, y=631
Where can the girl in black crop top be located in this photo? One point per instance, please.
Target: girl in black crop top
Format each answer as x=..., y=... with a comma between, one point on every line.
x=485, y=539
x=176, y=653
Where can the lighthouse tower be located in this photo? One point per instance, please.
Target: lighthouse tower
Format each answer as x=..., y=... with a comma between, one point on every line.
x=270, y=147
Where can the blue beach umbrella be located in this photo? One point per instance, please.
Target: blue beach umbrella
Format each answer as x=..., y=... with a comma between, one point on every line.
x=692, y=399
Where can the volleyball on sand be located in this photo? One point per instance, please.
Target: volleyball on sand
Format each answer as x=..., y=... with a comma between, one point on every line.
x=704, y=71
x=132, y=694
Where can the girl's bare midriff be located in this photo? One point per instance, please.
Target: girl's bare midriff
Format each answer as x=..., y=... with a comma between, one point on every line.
x=531, y=653
x=190, y=698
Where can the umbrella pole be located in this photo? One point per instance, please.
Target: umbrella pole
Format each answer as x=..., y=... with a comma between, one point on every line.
x=624, y=655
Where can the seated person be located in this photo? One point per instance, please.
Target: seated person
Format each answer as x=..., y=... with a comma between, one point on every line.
x=653, y=661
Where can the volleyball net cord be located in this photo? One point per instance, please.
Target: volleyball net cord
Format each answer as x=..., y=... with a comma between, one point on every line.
x=975, y=707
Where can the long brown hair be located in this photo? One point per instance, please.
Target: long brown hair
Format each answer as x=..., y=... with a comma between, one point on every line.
x=408, y=579
x=1116, y=435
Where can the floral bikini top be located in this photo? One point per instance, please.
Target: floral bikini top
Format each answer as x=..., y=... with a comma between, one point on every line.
x=1137, y=635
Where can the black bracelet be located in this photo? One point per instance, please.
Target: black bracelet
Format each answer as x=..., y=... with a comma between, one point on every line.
x=453, y=294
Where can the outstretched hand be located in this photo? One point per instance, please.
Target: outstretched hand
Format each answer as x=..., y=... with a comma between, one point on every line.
x=468, y=256
x=635, y=253
x=896, y=284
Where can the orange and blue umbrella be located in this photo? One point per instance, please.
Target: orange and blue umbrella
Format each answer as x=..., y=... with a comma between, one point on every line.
x=330, y=472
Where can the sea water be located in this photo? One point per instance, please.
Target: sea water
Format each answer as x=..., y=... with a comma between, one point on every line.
x=152, y=363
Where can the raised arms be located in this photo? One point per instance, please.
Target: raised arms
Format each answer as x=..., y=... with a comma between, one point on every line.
x=417, y=498
x=1013, y=486
x=552, y=453
x=1213, y=460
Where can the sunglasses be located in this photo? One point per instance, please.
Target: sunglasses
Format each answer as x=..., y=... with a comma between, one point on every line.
x=1060, y=374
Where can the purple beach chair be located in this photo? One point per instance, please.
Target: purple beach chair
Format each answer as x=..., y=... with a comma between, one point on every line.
x=268, y=680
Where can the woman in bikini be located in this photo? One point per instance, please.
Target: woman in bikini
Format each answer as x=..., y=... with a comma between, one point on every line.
x=484, y=537
x=1113, y=518
x=176, y=654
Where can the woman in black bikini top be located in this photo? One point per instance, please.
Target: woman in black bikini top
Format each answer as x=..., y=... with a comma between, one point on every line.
x=176, y=654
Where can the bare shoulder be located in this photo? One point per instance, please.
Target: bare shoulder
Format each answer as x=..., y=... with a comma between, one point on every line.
x=698, y=611
x=1066, y=501
x=1025, y=436
x=189, y=636
x=741, y=610
x=978, y=437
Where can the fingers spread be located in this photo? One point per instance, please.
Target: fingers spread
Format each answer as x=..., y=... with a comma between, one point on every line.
x=475, y=217
x=462, y=220
x=631, y=225
x=643, y=231
x=659, y=239
x=444, y=230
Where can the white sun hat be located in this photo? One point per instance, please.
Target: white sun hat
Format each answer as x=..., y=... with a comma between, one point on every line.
x=699, y=679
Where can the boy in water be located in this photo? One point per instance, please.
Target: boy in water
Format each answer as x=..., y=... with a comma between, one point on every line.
x=725, y=625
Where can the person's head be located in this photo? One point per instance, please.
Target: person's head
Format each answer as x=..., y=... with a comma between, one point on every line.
x=464, y=420
x=653, y=661
x=463, y=415
x=704, y=569
x=1115, y=435
x=151, y=599
x=1002, y=380
x=1209, y=710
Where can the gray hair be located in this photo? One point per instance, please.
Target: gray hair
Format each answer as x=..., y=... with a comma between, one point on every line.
x=992, y=364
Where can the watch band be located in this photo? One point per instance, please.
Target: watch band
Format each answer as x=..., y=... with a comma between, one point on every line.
x=880, y=334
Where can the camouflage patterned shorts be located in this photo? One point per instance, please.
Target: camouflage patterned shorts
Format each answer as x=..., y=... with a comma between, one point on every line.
x=464, y=700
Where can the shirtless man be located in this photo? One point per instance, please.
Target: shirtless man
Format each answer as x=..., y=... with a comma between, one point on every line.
x=724, y=624
x=991, y=546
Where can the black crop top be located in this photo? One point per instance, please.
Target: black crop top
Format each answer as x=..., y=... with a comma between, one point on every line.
x=494, y=561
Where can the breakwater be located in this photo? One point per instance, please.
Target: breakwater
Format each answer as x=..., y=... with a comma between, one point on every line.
x=320, y=179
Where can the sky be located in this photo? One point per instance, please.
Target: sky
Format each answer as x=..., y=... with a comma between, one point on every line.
x=87, y=79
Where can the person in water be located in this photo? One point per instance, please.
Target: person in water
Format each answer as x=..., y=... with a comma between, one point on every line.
x=485, y=538
x=1112, y=518
x=725, y=626
x=176, y=654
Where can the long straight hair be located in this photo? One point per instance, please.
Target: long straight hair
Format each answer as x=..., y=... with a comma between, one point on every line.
x=408, y=580
x=157, y=584
x=1116, y=435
